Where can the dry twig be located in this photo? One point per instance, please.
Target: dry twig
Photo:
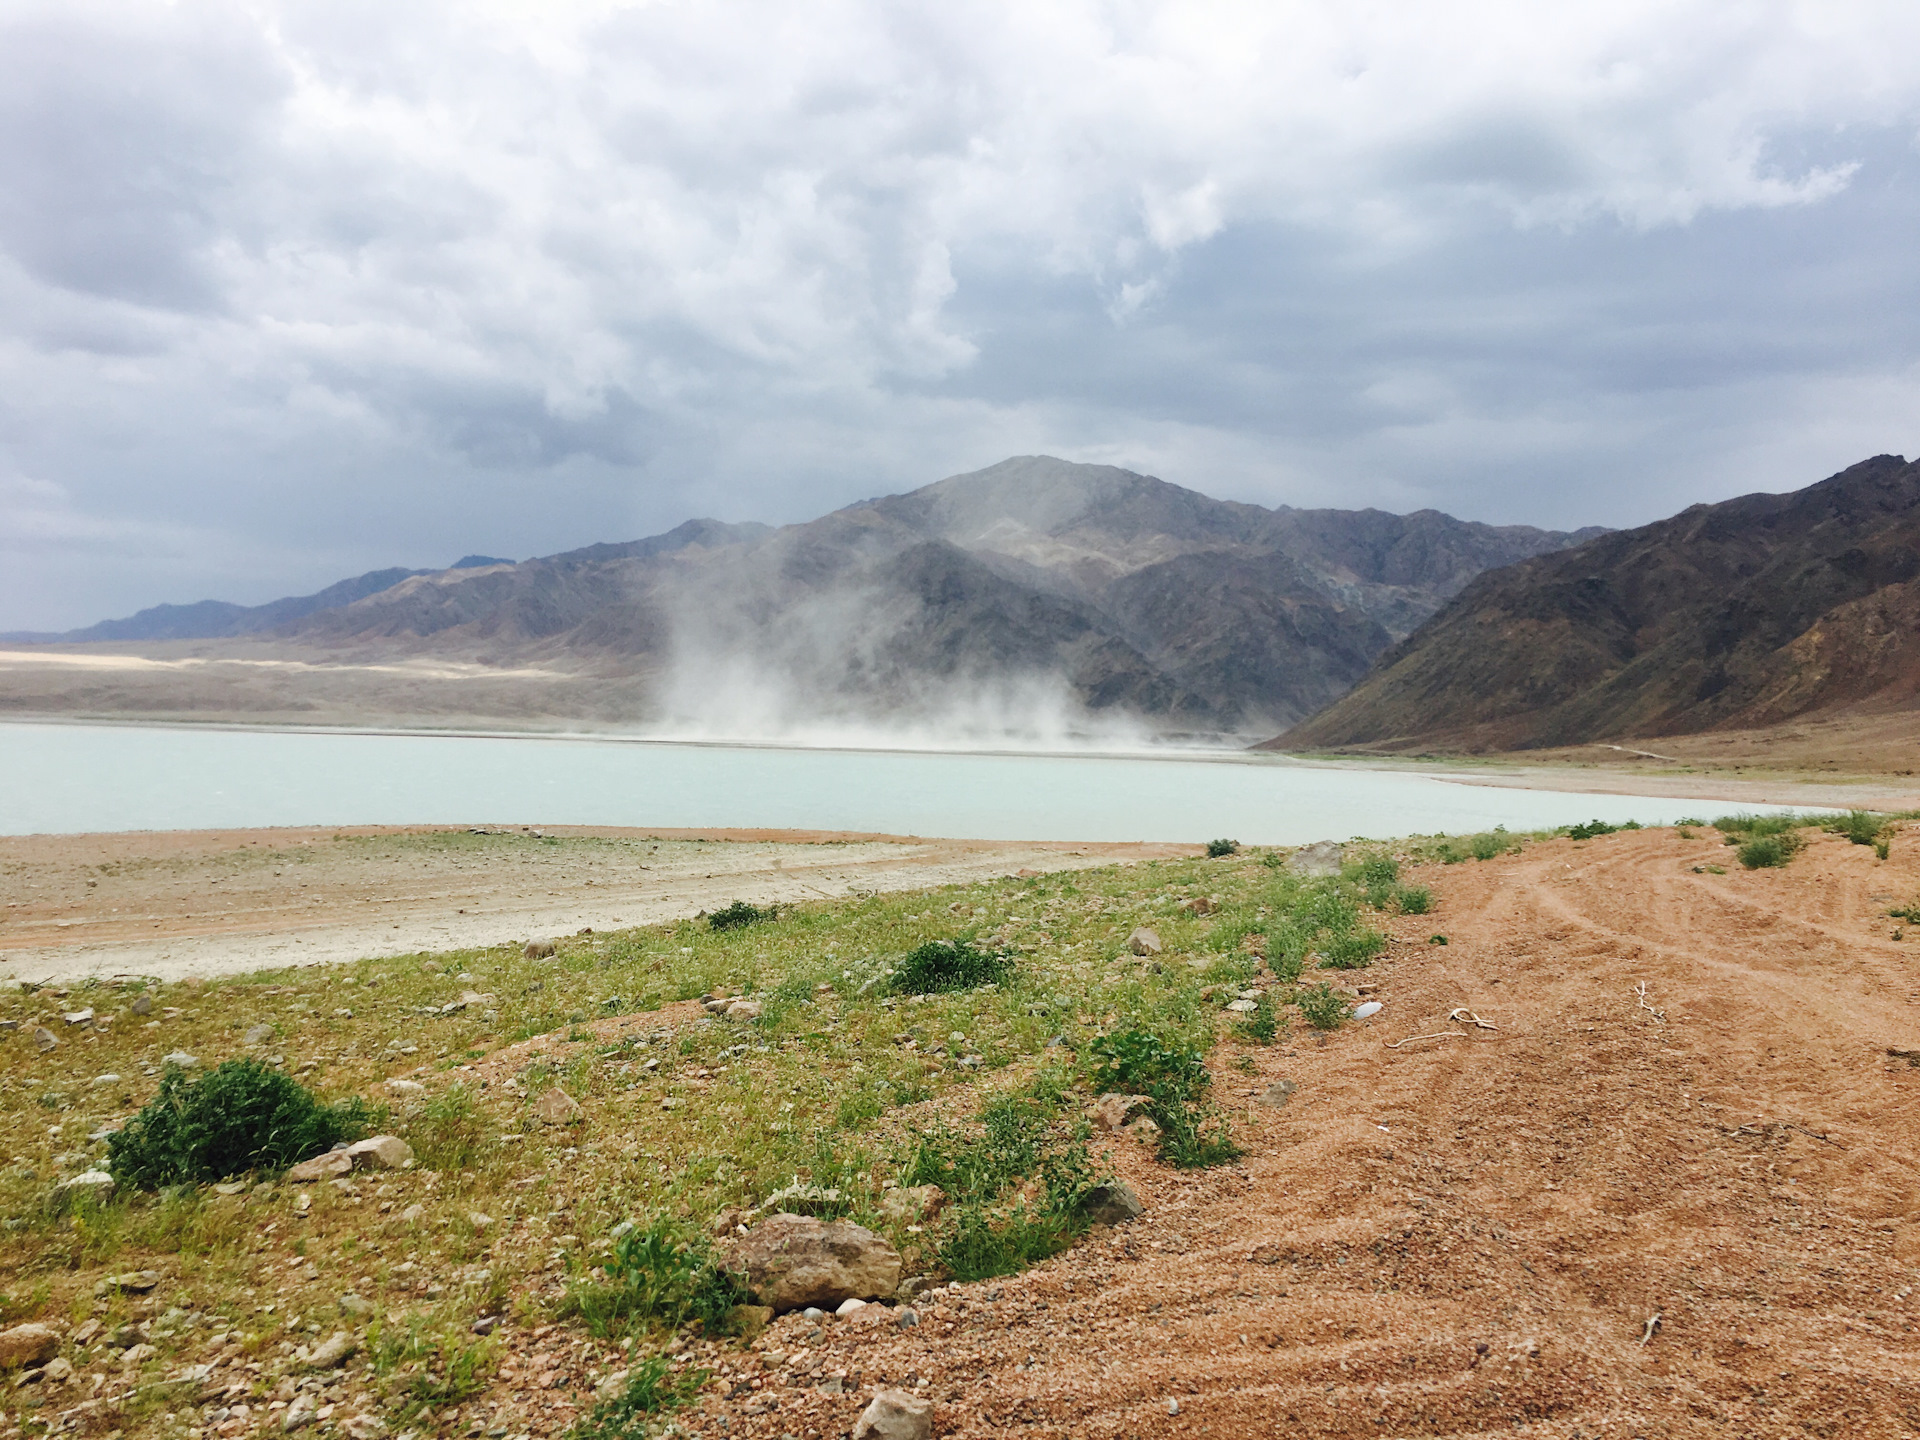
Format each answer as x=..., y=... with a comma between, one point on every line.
x=1436, y=1035
x=1653, y=1324
x=1464, y=1016
x=1641, y=991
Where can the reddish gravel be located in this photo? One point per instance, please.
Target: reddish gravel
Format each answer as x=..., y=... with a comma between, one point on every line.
x=1469, y=1236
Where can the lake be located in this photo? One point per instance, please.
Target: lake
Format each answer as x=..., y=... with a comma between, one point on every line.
x=60, y=778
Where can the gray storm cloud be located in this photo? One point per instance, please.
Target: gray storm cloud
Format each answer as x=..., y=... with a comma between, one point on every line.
x=289, y=291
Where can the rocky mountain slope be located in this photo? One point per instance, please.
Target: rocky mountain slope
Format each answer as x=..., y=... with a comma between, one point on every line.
x=1744, y=614
x=1034, y=594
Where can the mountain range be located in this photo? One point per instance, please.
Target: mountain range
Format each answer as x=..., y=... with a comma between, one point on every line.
x=1035, y=592
x=1735, y=616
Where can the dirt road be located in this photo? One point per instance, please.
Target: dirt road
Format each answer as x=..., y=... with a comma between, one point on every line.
x=1671, y=1192
x=212, y=902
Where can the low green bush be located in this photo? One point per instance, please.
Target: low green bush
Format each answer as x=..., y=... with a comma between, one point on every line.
x=1217, y=849
x=739, y=915
x=1193, y=1136
x=1352, y=951
x=1262, y=1024
x=942, y=966
x=1413, y=900
x=1322, y=1007
x=660, y=1274
x=1760, y=825
x=1592, y=830
x=1862, y=827
x=240, y=1116
x=1023, y=1137
x=1764, y=852
x=1139, y=1062
x=652, y=1390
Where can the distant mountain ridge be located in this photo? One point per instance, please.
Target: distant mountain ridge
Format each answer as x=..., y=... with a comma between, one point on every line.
x=1743, y=614
x=1034, y=585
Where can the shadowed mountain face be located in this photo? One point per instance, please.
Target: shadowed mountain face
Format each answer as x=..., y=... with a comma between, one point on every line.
x=1730, y=616
x=1033, y=594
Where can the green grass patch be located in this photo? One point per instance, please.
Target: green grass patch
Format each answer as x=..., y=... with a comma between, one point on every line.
x=1322, y=1007
x=653, y=1389
x=1764, y=852
x=240, y=1116
x=941, y=967
x=660, y=1274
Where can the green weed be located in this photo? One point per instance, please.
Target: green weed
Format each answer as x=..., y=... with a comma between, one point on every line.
x=1322, y=1007
x=652, y=1389
x=1139, y=1062
x=1862, y=827
x=1262, y=1025
x=1216, y=849
x=739, y=915
x=1413, y=900
x=239, y=1116
x=943, y=966
x=1769, y=851
x=449, y=1132
x=658, y=1274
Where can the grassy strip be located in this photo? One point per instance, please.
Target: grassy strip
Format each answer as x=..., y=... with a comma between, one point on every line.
x=945, y=1037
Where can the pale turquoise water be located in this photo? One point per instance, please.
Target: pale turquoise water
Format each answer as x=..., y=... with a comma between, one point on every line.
x=76, y=778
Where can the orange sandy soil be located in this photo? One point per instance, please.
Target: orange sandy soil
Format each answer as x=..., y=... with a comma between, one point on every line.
x=1469, y=1235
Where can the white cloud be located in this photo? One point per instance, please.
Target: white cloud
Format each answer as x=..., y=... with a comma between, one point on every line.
x=396, y=249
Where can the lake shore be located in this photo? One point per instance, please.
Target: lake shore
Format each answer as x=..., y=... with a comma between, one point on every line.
x=168, y=904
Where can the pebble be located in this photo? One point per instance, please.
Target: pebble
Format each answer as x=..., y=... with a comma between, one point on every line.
x=259, y=1034
x=180, y=1058
x=1371, y=1008
x=78, y=1017
x=44, y=1038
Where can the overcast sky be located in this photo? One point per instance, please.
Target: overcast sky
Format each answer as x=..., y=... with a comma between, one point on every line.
x=292, y=291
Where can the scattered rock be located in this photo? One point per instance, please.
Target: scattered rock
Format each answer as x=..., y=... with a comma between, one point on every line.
x=1144, y=941
x=180, y=1059
x=44, y=1038
x=1143, y=1128
x=355, y=1307
x=142, y=1005
x=96, y=1183
x=406, y=1089
x=482, y=998
x=912, y=1286
x=128, y=1336
x=29, y=1344
x=895, y=1415
x=913, y=1204
x=794, y=1261
x=259, y=1034
x=1243, y=1007
x=57, y=1370
x=1371, y=1008
x=78, y=1017
x=101, y=1081
x=1199, y=905
x=329, y=1166
x=365, y=1427
x=479, y=1219
x=1173, y=1407
x=332, y=1352
x=849, y=1307
x=414, y=1214
x=744, y=1010
x=485, y=1325
x=556, y=1107
x=1111, y=1111
x=84, y=1335
x=381, y=1152
x=137, y=1355
x=133, y=1282
x=1322, y=859
x=800, y=1198
x=1112, y=1203
x=299, y=1413
x=1278, y=1093
x=538, y=950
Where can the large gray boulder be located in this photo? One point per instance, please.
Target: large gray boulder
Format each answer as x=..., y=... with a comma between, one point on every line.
x=1321, y=860
x=793, y=1261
